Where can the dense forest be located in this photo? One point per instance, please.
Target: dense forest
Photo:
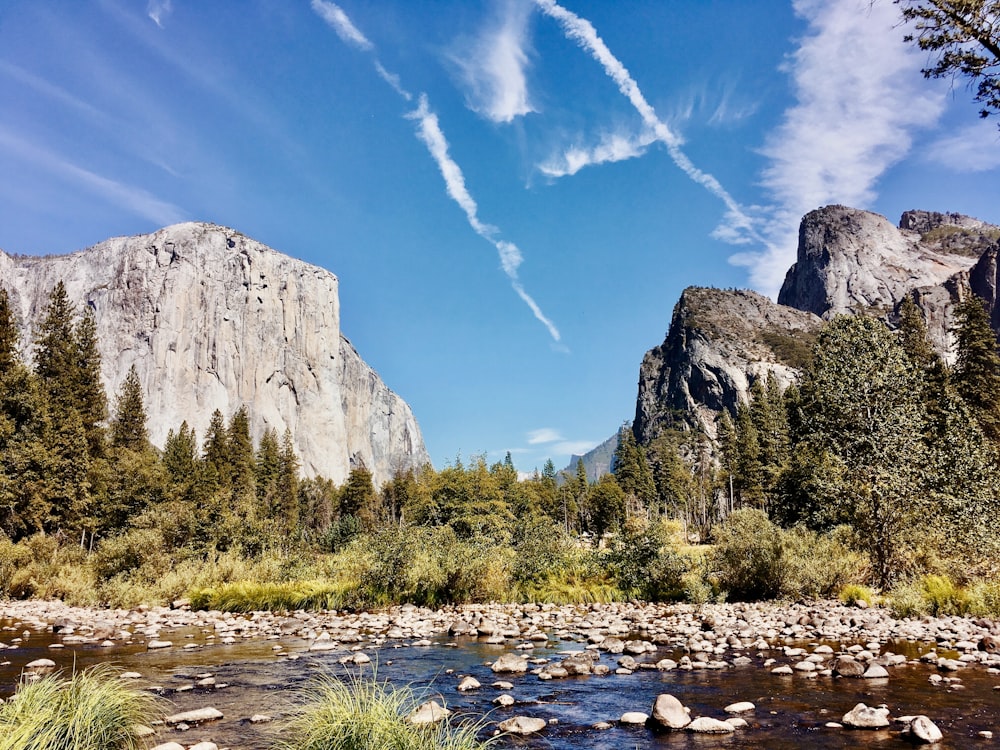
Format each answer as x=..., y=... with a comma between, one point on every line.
x=879, y=466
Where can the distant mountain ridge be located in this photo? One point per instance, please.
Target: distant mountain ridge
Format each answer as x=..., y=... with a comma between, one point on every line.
x=212, y=319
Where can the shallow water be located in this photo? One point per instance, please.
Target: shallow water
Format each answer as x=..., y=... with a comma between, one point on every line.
x=790, y=711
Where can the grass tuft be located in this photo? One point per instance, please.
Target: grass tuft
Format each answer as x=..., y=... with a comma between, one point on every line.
x=366, y=714
x=92, y=710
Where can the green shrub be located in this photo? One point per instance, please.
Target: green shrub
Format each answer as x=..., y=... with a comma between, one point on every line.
x=275, y=597
x=364, y=714
x=129, y=551
x=748, y=556
x=817, y=565
x=944, y=597
x=93, y=710
x=852, y=593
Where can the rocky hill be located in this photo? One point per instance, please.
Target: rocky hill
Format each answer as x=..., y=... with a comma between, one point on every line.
x=848, y=261
x=211, y=320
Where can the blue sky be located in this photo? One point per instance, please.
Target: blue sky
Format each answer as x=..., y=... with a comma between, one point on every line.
x=513, y=193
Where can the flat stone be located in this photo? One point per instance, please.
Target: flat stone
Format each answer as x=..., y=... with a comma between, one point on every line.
x=708, y=725
x=510, y=663
x=739, y=708
x=523, y=725
x=198, y=716
x=154, y=645
x=634, y=717
x=468, y=683
x=504, y=700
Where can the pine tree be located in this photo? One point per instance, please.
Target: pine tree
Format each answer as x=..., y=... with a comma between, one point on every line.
x=215, y=454
x=128, y=427
x=56, y=358
x=749, y=469
x=88, y=391
x=358, y=499
x=267, y=466
x=9, y=336
x=632, y=473
x=180, y=456
x=977, y=370
x=913, y=336
x=288, y=484
x=242, y=461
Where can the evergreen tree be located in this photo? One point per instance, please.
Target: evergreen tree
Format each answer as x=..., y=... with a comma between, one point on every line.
x=267, y=466
x=56, y=358
x=9, y=336
x=128, y=427
x=605, y=508
x=913, y=336
x=180, y=456
x=242, y=461
x=632, y=473
x=977, y=370
x=749, y=469
x=288, y=484
x=358, y=498
x=88, y=392
x=215, y=454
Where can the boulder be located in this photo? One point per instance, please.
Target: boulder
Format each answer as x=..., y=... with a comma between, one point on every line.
x=634, y=717
x=708, y=725
x=669, y=712
x=864, y=717
x=741, y=707
x=197, y=716
x=921, y=729
x=429, y=712
x=510, y=663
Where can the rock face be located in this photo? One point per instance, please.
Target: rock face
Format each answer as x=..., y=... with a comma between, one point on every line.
x=849, y=261
x=718, y=342
x=211, y=320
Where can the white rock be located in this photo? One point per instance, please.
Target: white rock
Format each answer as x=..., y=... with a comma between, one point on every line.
x=634, y=717
x=739, y=707
x=429, y=712
x=523, y=725
x=708, y=725
x=864, y=717
x=197, y=716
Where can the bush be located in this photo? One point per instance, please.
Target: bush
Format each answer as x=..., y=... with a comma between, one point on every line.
x=645, y=563
x=748, y=556
x=817, y=565
x=364, y=714
x=853, y=593
x=129, y=551
x=93, y=710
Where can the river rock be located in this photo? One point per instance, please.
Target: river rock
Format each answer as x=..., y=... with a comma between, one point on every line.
x=204, y=746
x=468, y=683
x=197, y=716
x=522, y=725
x=708, y=725
x=170, y=746
x=510, y=663
x=848, y=666
x=875, y=671
x=429, y=712
x=504, y=700
x=864, y=717
x=634, y=717
x=40, y=666
x=741, y=707
x=154, y=645
x=669, y=712
x=922, y=729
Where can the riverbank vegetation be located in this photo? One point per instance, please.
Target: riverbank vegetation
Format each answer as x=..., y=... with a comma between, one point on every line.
x=878, y=468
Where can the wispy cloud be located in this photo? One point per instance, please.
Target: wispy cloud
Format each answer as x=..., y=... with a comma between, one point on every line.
x=859, y=98
x=430, y=133
x=136, y=200
x=543, y=435
x=585, y=35
x=44, y=87
x=338, y=20
x=612, y=147
x=158, y=10
x=573, y=447
x=973, y=148
x=494, y=66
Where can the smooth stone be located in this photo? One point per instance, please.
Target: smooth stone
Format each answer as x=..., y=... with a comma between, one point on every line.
x=739, y=708
x=864, y=717
x=875, y=671
x=523, y=725
x=510, y=663
x=634, y=717
x=153, y=645
x=601, y=725
x=468, y=683
x=669, y=712
x=40, y=665
x=260, y=719
x=708, y=725
x=504, y=700
x=784, y=669
x=170, y=746
x=737, y=722
x=922, y=729
x=430, y=712
x=204, y=746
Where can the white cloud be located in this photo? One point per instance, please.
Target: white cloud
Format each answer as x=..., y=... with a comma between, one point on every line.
x=340, y=23
x=612, y=147
x=136, y=200
x=158, y=10
x=974, y=148
x=493, y=66
x=584, y=34
x=859, y=96
x=543, y=435
x=393, y=80
x=574, y=447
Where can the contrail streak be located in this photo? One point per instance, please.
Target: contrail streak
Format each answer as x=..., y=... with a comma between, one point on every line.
x=581, y=31
x=429, y=131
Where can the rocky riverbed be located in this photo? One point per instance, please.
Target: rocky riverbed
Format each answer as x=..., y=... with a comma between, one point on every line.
x=594, y=675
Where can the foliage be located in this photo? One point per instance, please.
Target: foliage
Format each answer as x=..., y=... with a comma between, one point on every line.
x=92, y=710
x=965, y=36
x=366, y=714
x=748, y=555
x=853, y=593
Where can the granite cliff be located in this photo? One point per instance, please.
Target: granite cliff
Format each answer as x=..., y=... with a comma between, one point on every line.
x=212, y=319
x=849, y=261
